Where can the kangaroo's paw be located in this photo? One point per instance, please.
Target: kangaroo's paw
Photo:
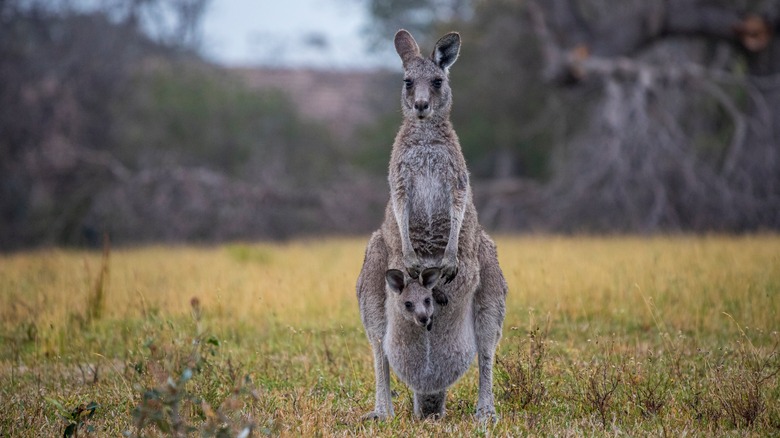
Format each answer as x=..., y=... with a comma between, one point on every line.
x=413, y=265
x=449, y=268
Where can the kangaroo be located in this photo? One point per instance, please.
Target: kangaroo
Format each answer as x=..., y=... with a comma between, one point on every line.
x=414, y=299
x=430, y=221
x=429, y=360
x=430, y=195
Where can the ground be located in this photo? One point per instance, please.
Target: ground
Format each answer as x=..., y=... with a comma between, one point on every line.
x=603, y=336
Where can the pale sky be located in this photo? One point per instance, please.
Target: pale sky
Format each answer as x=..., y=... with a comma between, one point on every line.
x=311, y=33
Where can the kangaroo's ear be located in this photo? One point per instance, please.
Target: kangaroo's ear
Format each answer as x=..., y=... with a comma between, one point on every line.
x=430, y=277
x=406, y=46
x=395, y=280
x=446, y=50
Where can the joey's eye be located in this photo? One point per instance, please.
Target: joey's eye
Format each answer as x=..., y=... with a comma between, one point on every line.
x=436, y=83
x=427, y=301
x=408, y=83
x=409, y=305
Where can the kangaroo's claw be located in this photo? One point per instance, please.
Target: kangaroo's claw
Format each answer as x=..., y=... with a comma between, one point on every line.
x=440, y=297
x=448, y=272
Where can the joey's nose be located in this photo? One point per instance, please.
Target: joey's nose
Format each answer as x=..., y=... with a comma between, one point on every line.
x=423, y=320
x=421, y=105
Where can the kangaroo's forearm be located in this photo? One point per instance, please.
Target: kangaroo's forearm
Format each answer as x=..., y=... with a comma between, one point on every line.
x=401, y=211
x=452, y=242
x=457, y=213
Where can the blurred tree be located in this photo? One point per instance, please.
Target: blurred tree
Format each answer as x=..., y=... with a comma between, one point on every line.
x=503, y=109
x=58, y=71
x=195, y=115
x=61, y=68
x=110, y=121
x=685, y=135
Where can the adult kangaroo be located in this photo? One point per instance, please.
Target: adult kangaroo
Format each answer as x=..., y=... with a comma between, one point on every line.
x=430, y=221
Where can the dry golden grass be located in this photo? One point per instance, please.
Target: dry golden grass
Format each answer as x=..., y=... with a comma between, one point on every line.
x=691, y=281
x=286, y=315
x=297, y=282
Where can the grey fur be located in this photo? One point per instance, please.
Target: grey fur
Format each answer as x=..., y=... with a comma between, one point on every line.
x=431, y=221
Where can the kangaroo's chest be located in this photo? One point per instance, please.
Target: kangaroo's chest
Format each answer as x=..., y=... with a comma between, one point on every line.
x=429, y=183
x=430, y=192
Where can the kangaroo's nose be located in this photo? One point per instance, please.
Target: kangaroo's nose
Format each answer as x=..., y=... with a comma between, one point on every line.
x=421, y=105
x=423, y=320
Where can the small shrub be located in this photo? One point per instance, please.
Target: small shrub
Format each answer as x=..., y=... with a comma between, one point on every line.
x=171, y=403
x=697, y=399
x=595, y=385
x=649, y=385
x=741, y=389
x=77, y=418
x=521, y=374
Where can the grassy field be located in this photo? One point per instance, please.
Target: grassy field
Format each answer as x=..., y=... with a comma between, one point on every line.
x=603, y=336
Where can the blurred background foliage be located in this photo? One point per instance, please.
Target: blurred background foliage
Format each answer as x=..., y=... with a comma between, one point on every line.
x=582, y=116
x=194, y=115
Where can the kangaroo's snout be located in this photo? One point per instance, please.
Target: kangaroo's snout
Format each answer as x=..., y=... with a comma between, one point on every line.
x=422, y=102
x=422, y=107
x=423, y=320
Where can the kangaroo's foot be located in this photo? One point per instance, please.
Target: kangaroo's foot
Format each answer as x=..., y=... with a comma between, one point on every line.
x=430, y=405
x=376, y=416
x=487, y=414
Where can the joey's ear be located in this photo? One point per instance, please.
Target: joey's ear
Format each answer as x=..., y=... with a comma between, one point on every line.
x=406, y=46
x=395, y=280
x=430, y=277
x=446, y=50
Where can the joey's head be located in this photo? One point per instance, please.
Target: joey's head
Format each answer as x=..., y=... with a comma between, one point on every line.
x=413, y=298
x=426, y=91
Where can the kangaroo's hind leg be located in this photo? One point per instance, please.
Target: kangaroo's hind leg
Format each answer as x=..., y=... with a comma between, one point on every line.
x=489, y=310
x=371, y=298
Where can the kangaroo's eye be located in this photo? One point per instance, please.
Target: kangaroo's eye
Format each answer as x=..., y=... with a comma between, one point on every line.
x=408, y=83
x=437, y=83
x=427, y=301
x=409, y=305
